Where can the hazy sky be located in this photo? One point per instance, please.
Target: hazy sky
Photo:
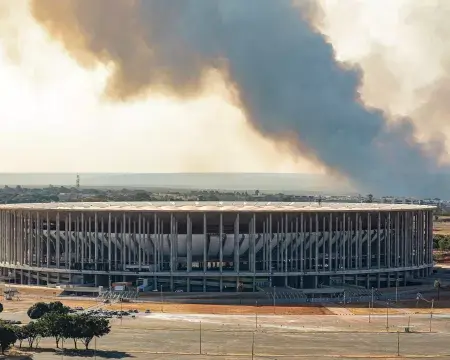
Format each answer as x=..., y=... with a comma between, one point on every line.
x=53, y=118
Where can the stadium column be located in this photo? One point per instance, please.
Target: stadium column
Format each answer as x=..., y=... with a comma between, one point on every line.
x=109, y=242
x=397, y=240
x=35, y=240
x=58, y=255
x=330, y=242
x=204, y=251
x=66, y=245
x=236, y=249
x=221, y=250
x=360, y=241
x=354, y=239
x=122, y=244
x=316, y=249
x=220, y=242
x=82, y=242
x=77, y=240
x=430, y=239
x=189, y=249
x=161, y=243
x=302, y=248
x=70, y=240
x=15, y=240
x=344, y=243
x=389, y=235
x=254, y=250
x=425, y=231
x=47, y=225
x=310, y=243
x=155, y=252
x=417, y=241
x=129, y=243
x=96, y=240
x=22, y=238
x=296, y=253
x=3, y=237
x=139, y=239
x=89, y=239
x=27, y=233
x=171, y=247
x=175, y=244
x=404, y=235
x=325, y=239
x=423, y=242
x=369, y=246
x=266, y=242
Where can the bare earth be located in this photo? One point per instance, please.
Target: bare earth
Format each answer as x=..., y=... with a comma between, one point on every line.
x=188, y=332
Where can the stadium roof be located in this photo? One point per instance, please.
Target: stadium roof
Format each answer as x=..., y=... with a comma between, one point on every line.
x=215, y=206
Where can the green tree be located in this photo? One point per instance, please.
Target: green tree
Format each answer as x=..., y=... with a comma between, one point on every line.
x=20, y=334
x=58, y=307
x=41, y=308
x=32, y=332
x=85, y=327
x=37, y=310
x=7, y=337
x=56, y=325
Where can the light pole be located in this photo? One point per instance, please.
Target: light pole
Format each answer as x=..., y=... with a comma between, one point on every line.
x=274, y=299
x=431, y=312
x=396, y=289
x=253, y=345
x=256, y=315
x=200, y=335
x=387, y=315
x=162, y=302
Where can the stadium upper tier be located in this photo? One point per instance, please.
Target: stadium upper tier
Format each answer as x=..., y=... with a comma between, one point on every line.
x=216, y=206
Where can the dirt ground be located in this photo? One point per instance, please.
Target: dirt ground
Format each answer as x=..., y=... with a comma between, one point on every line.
x=28, y=296
x=26, y=301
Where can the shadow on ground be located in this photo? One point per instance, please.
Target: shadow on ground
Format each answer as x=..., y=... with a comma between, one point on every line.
x=103, y=354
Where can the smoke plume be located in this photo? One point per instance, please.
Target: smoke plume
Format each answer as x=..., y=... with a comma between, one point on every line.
x=285, y=73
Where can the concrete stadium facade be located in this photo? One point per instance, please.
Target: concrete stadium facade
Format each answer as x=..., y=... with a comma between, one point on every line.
x=205, y=246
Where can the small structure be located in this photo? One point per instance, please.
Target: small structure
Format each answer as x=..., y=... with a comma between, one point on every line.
x=10, y=294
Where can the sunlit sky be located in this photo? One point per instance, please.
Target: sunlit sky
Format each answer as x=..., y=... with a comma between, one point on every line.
x=53, y=119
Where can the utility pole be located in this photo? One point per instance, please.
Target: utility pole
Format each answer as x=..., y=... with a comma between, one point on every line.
x=431, y=312
x=253, y=345
x=256, y=315
x=398, y=343
x=200, y=335
x=162, y=302
x=396, y=290
x=387, y=315
x=274, y=299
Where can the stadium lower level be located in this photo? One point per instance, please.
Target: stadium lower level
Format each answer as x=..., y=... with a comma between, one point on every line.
x=225, y=247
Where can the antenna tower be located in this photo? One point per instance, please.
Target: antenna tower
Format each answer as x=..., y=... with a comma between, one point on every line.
x=78, y=182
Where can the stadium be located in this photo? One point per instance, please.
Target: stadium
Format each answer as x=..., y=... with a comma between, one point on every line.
x=216, y=246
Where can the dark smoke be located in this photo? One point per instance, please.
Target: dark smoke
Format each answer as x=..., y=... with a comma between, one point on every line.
x=285, y=73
